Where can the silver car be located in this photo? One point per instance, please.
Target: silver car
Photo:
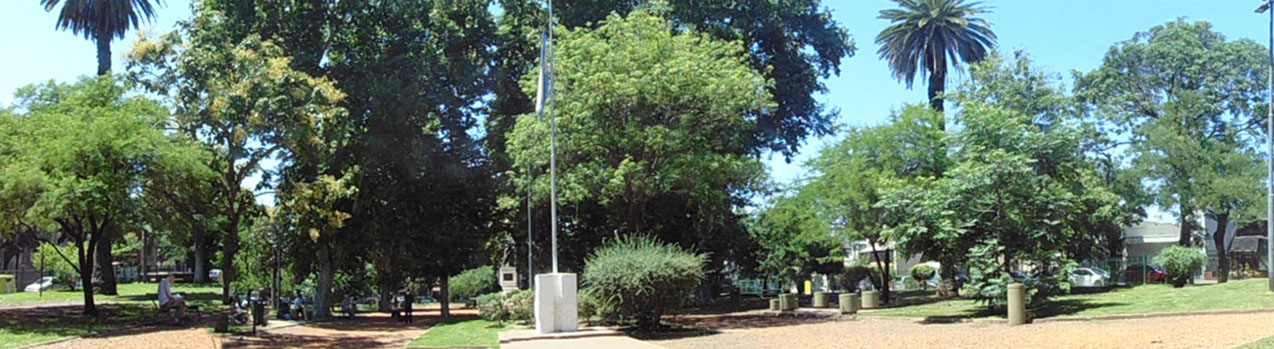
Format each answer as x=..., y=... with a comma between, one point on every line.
x=1087, y=277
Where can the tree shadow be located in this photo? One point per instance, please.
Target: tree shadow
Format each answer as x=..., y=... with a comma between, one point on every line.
x=112, y=320
x=1069, y=307
x=715, y=322
x=381, y=322
x=290, y=340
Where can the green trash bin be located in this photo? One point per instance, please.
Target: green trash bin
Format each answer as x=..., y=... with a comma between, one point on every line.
x=8, y=284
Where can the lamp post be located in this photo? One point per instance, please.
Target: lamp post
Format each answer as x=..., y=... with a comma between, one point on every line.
x=1269, y=139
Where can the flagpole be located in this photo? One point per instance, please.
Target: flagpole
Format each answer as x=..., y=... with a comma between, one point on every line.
x=552, y=132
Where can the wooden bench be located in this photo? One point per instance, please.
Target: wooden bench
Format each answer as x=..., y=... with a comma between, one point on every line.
x=190, y=308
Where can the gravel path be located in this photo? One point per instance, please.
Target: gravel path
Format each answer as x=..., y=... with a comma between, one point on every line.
x=1198, y=331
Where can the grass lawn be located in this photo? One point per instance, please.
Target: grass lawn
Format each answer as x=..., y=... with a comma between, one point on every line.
x=22, y=326
x=459, y=333
x=1244, y=294
x=128, y=293
x=1267, y=343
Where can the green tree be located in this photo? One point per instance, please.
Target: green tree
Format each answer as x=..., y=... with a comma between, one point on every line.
x=92, y=148
x=244, y=99
x=652, y=123
x=312, y=209
x=924, y=34
x=792, y=43
x=54, y=260
x=102, y=21
x=795, y=238
x=1185, y=97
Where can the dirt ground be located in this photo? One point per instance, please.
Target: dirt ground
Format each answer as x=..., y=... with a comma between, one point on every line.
x=376, y=330
x=757, y=331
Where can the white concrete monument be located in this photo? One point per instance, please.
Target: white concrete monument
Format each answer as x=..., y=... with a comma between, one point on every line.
x=555, y=303
x=508, y=279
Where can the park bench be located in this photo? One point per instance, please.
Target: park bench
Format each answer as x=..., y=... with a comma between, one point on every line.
x=190, y=308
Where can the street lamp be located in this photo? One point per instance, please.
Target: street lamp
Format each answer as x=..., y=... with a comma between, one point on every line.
x=1269, y=155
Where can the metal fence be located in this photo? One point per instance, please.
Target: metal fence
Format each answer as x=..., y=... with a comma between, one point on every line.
x=1136, y=270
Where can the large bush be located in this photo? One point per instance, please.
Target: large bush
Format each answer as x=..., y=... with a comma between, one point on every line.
x=473, y=282
x=642, y=278
x=921, y=273
x=47, y=258
x=1180, y=263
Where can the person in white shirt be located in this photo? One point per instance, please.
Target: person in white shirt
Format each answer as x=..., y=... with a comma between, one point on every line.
x=169, y=301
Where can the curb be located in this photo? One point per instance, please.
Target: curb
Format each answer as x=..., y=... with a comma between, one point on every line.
x=49, y=342
x=945, y=320
x=565, y=335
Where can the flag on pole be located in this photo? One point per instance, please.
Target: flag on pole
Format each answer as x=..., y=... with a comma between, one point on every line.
x=544, y=85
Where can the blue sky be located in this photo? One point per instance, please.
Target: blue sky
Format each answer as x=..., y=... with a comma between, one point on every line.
x=1061, y=36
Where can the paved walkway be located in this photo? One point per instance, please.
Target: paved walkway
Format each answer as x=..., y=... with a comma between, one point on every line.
x=1197, y=331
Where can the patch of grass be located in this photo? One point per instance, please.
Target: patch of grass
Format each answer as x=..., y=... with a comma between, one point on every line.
x=1266, y=343
x=470, y=332
x=128, y=293
x=1234, y=295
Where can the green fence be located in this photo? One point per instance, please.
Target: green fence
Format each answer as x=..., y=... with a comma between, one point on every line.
x=1129, y=271
x=758, y=287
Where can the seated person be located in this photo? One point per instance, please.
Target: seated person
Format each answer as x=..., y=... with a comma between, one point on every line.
x=349, y=307
x=169, y=301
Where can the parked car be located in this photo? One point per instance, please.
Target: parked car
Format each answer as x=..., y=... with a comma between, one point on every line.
x=43, y=284
x=1087, y=277
x=1147, y=273
x=215, y=275
x=1100, y=271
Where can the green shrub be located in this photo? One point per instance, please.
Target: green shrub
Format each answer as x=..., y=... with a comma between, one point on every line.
x=853, y=274
x=513, y=306
x=1180, y=263
x=988, y=282
x=921, y=273
x=521, y=305
x=47, y=257
x=473, y=282
x=643, y=278
x=491, y=307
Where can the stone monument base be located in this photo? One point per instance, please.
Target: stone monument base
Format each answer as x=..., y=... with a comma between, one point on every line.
x=556, y=303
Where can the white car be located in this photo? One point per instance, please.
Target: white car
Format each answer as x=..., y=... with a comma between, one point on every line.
x=1087, y=277
x=43, y=284
x=215, y=275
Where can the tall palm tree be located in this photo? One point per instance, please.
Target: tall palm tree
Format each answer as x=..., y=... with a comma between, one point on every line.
x=102, y=21
x=926, y=33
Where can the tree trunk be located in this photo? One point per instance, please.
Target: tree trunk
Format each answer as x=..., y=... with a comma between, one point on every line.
x=1223, y=261
x=104, y=53
x=1186, y=225
x=947, y=287
x=106, y=263
x=883, y=285
x=386, y=303
x=86, y=275
x=938, y=84
x=446, y=297
x=201, y=258
x=323, y=295
x=229, y=247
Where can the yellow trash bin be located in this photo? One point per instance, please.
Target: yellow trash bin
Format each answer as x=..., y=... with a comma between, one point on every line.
x=7, y=284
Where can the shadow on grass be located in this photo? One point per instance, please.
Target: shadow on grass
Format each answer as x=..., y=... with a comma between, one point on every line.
x=1051, y=309
x=66, y=321
x=380, y=322
x=291, y=340
x=200, y=297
